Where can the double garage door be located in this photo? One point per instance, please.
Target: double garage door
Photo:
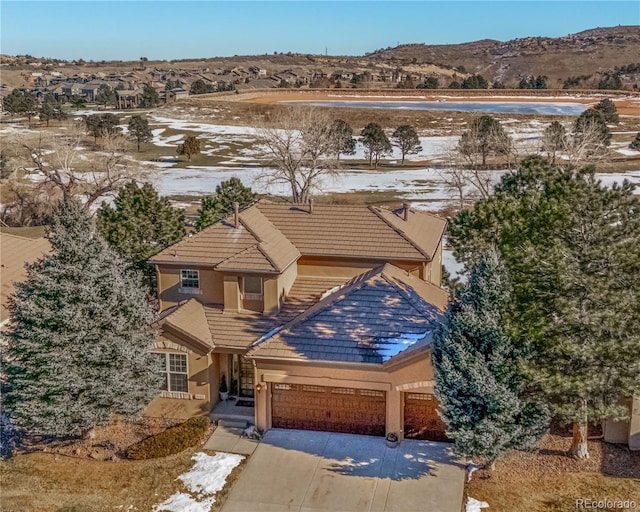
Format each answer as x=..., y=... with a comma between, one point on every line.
x=352, y=411
x=348, y=410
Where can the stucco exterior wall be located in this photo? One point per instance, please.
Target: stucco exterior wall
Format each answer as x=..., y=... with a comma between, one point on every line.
x=285, y=282
x=211, y=285
x=434, y=267
x=198, y=372
x=627, y=431
x=415, y=376
x=344, y=267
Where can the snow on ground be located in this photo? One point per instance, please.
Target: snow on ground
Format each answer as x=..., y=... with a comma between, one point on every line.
x=628, y=152
x=473, y=505
x=206, y=478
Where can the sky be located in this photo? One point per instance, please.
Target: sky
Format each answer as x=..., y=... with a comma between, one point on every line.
x=170, y=29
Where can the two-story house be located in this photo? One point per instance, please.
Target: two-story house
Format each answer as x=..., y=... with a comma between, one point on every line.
x=319, y=315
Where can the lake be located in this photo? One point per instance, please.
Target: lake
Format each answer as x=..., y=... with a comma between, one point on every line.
x=554, y=108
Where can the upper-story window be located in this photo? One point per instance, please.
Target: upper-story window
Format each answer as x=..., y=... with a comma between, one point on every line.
x=189, y=281
x=252, y=288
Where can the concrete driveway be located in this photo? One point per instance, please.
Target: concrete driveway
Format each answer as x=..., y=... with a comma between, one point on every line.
x=303, y=471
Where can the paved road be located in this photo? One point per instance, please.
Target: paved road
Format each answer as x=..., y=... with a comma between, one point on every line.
x=303, y=471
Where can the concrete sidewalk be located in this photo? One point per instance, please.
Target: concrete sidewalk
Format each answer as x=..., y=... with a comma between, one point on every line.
x=230, y=440
x=302, y=471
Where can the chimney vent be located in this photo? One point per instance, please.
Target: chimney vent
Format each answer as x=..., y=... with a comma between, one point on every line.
x=406, y=207
x=311, y=205
x=236, y=209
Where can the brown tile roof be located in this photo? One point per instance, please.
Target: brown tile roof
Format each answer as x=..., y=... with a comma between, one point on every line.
x=190, y=319
x=254, y=245
x=16, y=251
x=209, y=323
x=345, y=230
x=376, y=316
x=271, y=236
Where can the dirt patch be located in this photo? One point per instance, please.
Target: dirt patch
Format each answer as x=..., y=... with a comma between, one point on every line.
x=550, y=480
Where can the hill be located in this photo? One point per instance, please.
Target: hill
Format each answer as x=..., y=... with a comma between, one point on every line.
x=588, y=54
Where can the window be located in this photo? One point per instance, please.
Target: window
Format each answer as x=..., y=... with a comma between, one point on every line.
x=189, y=281
x=252, y=288
x=174, y=371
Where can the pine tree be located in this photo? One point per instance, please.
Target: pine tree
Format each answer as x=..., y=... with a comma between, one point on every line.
x=485, y=137
x=139, y=130
x=554, y=140
x=609, y=110
x=343, y=138
x=77, y=350
x=216, y=207
x=406, y=139
x=140, y=224
x=572, y=250
x=376, y=143
x=635, y=143
x=478, y=381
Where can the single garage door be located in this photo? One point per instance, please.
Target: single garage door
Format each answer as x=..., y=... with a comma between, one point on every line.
x=421, y=420
x=348, y=410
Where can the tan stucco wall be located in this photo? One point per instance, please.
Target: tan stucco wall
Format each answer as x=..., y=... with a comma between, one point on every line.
x=285, y=282
x=211, y=285
x=434, y=268
x=627, y=431
x=414, y=377
x=231, y=293
x=199, y=374
x=343, y=267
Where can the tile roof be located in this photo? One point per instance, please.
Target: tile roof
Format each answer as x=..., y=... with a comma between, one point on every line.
x=374, y=317
x=209, y=324
x=254, y=245
x=271, y=236
x=16, y=252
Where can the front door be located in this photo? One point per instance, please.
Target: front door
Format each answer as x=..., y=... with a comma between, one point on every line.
x=246, y=377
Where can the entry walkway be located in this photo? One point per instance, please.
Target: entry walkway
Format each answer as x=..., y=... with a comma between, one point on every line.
x=303, y=471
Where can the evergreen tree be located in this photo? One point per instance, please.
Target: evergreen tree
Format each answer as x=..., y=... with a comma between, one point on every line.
x=150, y=97
x=77, y=350
x=139, y=130
x=343, y=137
x=609, y=110
x=77, y=101
x=572, y=250
x=376, y=143
x=635, y=143
x=216, y=207
x=51, y=108
x=105, y=95
x=100, y=125
x=140, y=224
x=406, y=139
x=591, y=130
x=478, y=381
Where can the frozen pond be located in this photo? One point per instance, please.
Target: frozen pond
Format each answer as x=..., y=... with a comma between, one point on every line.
x=556, y=108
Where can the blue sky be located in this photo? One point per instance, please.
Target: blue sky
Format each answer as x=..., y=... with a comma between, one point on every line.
x=123, y=29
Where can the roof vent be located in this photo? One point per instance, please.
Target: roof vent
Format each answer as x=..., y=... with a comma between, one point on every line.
x=406, y=207
x=236, y=210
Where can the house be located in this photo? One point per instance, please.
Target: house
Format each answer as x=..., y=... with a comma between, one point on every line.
x=628, y=431
x=16, y=252
x=128, y=98
x=320, y=316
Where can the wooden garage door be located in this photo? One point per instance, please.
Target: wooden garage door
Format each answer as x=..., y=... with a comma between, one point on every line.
x=352, y=411
x=421, y=420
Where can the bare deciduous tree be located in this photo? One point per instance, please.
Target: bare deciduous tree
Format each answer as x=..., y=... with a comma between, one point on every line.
x=50, y=168
x=299, y=149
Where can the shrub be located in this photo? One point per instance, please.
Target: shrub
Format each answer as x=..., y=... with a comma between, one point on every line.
x=171, y=441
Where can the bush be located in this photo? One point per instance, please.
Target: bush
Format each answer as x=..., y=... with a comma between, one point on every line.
x=171, y=441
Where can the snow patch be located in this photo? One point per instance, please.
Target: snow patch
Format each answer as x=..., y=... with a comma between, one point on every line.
x=473, y=505
x=207, y=477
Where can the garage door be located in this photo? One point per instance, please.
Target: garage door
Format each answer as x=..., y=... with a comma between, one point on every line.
x=421, y=420
x=348, y=410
